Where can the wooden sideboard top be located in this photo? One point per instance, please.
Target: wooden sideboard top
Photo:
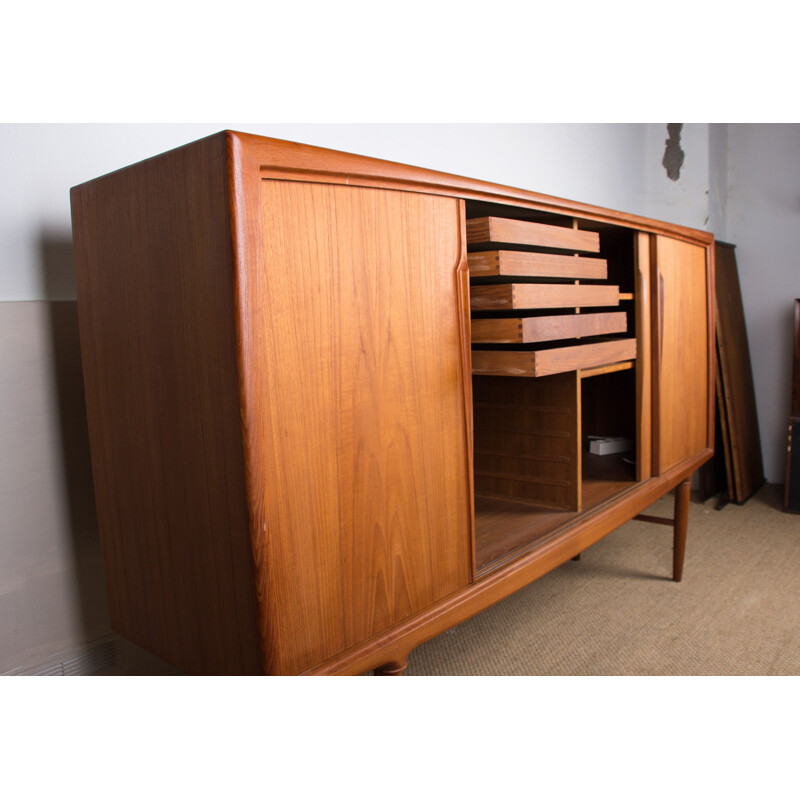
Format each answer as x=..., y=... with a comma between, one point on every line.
x=280, y=159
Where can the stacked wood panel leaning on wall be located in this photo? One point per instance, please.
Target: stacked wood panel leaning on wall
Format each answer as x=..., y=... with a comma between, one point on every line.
x=736, y=394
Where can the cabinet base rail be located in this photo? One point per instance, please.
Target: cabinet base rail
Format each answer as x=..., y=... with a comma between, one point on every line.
x=393, y=647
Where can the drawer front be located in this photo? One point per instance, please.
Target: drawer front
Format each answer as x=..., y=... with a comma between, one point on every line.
x=512, y=263
x=545, y=329
x=535, y=295
x=498, y=230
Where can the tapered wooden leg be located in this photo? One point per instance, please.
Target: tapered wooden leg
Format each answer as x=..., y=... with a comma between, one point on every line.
x=679, y=527
x=392, y=668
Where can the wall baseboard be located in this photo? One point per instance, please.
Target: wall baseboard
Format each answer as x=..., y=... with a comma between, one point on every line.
x=98, y=656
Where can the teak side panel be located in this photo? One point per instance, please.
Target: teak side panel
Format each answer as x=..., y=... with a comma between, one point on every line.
x=156, y=311
x=680, y=332
x=366, y=491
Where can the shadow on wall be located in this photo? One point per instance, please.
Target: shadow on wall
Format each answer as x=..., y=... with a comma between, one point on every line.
x=58, y=276
x=57, y=266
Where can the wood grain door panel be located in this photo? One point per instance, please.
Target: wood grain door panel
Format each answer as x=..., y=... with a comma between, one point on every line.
x=681, y=352
x=366, y=488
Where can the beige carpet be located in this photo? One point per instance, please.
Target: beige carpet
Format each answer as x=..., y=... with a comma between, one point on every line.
x=616, y=611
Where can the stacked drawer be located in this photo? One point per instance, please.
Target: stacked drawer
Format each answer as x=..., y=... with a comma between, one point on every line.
x=528, y=302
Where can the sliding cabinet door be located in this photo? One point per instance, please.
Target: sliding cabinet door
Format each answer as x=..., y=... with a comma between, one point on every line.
x=681, y=352
x=367, y=492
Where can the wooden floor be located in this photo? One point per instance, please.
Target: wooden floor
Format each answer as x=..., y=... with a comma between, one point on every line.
x=504, y=529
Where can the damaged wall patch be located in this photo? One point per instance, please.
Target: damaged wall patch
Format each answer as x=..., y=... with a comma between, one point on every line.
x=673, y=155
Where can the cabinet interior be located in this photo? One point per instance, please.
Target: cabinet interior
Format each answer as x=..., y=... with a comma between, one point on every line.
x=548, y=374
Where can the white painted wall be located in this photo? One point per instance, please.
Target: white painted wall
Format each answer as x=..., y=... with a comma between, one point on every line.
x=51, y=587
x=718, y=180
x=763, y=221
x=613, y=165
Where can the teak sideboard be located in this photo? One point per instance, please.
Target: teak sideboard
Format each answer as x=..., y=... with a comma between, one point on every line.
x=338, y=405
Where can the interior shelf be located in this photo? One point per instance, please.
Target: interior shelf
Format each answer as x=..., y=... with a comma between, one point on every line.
x=505, y=528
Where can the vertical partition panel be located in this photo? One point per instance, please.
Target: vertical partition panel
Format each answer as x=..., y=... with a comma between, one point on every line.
x=644, y=376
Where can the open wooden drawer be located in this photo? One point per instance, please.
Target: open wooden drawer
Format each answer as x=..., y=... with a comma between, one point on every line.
x=531, y=283
x=536, y=363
